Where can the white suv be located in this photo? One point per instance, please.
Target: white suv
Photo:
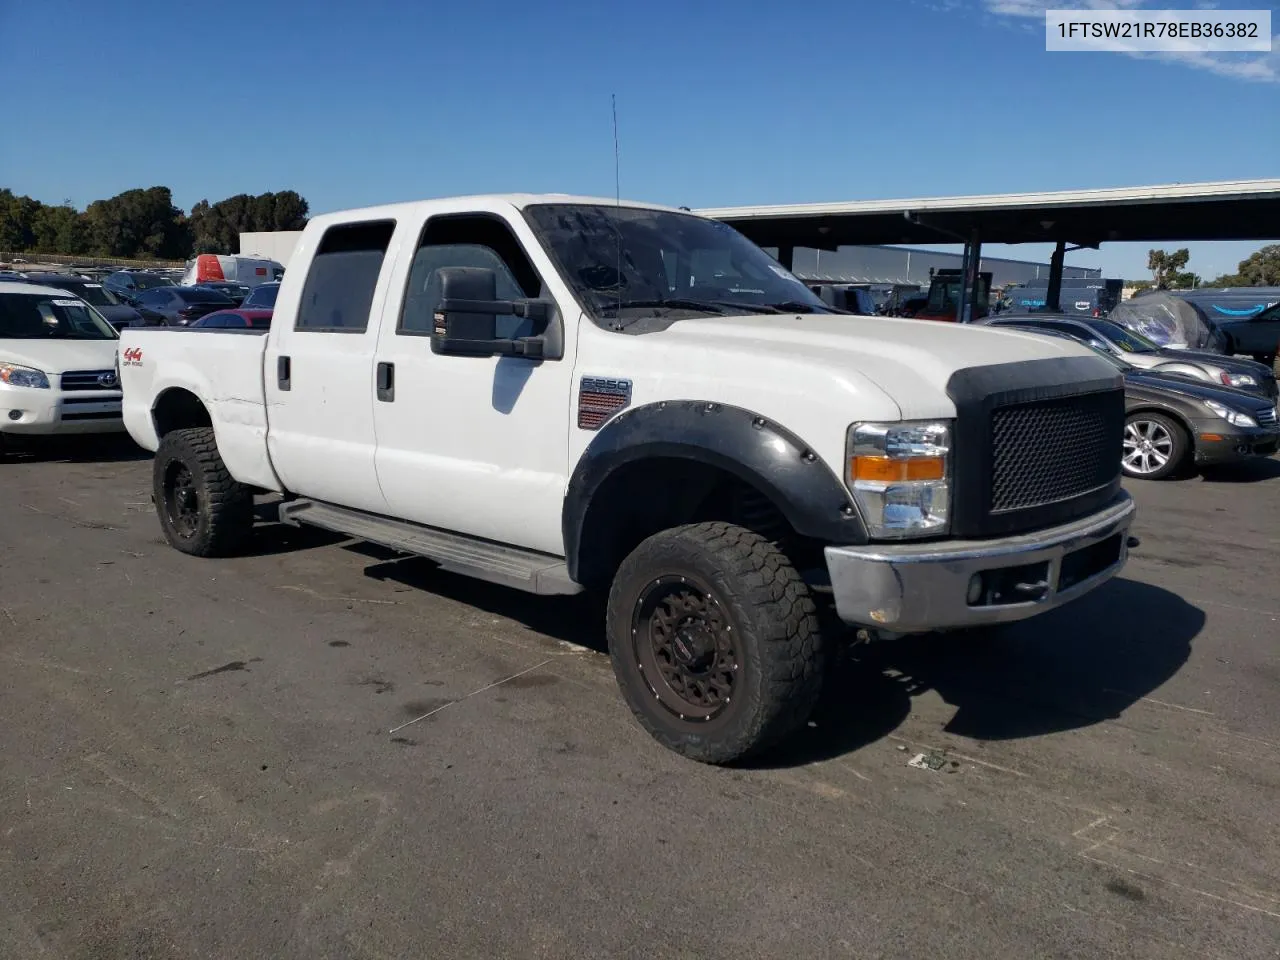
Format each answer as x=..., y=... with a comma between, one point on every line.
x=57, y=365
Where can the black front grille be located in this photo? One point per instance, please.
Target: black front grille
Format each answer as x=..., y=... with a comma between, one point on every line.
x=89, y=380
x=1036, y=444
x=1052, y=450
x=1267, y=418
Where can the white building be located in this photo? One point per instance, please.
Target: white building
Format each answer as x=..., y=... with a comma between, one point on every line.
x=277, y=245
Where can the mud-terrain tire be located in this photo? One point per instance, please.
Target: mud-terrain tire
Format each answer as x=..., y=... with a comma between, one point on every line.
x=715, y=641
x=202, y=510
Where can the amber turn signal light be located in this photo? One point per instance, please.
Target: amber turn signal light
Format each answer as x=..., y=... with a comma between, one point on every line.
x=888, y=470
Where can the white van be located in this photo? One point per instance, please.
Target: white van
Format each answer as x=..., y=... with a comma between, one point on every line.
x=58, y=371
x=214, y=267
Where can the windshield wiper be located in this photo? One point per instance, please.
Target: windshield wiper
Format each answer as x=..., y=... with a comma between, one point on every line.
x=799, y=306
x=675, y=303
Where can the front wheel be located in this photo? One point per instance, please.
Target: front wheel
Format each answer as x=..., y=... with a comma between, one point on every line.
x=715, y=641
x=203, y=511
x=1155, y=446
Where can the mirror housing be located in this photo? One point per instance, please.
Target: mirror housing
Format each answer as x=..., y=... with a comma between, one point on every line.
x=466, y=320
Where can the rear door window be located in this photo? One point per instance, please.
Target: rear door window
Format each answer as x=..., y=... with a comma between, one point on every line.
x=339, y=290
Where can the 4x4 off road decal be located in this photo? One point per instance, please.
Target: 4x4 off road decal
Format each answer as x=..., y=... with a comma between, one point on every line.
x=599, y=398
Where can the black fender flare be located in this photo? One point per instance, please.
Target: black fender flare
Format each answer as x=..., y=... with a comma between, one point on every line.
x=749, y=446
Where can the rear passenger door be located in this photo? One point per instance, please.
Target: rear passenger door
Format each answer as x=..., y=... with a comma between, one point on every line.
x=319, y=368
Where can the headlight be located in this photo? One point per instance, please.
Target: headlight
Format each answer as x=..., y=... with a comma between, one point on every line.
x=1233, y=417
x=899, y=474
x=16, y=376
x=1238, y=379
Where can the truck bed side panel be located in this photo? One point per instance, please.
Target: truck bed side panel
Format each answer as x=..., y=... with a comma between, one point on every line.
x=223, y=369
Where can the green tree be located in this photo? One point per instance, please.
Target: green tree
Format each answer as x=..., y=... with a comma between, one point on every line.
x=60, y=229
x=216, y=227
x=1166, y=268
x=1259, y=269
x=144, y=223
x=1262, y=268
x=17, y=221
x=139, y=223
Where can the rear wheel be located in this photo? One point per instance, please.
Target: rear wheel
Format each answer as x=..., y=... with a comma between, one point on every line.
x=1155, y=446
x=202, y=510
x=715, y=641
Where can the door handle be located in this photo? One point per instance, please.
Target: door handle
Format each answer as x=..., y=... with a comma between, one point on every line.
x=386, y=382
x=284, y=373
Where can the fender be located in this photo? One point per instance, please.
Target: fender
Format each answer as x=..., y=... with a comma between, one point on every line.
x=751, y=447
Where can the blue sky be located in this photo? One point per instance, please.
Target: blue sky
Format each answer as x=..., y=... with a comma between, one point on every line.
x=719, y=103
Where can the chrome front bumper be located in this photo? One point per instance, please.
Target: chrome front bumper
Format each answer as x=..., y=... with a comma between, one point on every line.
x=915, y=588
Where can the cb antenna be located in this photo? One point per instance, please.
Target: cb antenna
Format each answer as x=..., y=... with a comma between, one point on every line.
x=617, y=199
x=617, y=163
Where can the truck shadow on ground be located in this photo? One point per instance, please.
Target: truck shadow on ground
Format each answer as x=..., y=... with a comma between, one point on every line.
x=271, y=537
x=1249, y=471
x=1074, y=667
x=578, y=619
x=1080, y=665
x=108, y=448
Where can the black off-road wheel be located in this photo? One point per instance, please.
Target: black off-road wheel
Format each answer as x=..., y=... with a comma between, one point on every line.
x=715, y=641
x=202, y=510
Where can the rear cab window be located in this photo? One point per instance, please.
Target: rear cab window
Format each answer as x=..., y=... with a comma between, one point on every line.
x=338, y=292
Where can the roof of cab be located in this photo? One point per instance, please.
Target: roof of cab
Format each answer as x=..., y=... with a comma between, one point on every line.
x=452, y=204
x=15, y=287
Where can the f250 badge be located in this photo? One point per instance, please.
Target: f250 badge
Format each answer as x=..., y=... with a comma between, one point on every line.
x=599, y=398
x=133, y=357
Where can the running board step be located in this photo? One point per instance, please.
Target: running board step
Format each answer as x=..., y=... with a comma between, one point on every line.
x=496, y=563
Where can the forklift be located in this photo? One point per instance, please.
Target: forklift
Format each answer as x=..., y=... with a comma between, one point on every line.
x=945, y=292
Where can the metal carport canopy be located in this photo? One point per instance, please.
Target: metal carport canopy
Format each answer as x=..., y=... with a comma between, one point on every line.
x=1229, y=210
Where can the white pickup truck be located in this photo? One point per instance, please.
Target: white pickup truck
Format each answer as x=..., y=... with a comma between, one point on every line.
x=559, y=394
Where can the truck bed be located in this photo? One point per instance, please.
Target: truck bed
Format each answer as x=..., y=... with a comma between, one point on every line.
x=220, y=369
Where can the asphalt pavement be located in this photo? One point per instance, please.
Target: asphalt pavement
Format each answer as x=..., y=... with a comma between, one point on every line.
x=320, y=750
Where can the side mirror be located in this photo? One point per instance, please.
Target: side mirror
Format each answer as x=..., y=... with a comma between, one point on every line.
x=466, y=320
x=467, y=316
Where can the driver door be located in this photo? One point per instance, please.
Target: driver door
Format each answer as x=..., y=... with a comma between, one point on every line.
x=476, y=445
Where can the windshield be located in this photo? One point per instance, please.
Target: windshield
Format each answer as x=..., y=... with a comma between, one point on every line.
x=201, y=295
x=148, y=281
x=262, y=296
x=1106, y=355
x=626, y=264
x=1126, y=340
x=92, y=293
x=34, y=316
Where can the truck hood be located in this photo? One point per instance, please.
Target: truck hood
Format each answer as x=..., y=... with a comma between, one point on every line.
x=909, y=361
x=57, y=355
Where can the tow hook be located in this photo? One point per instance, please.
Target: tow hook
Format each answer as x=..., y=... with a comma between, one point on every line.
x=1133, y=543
